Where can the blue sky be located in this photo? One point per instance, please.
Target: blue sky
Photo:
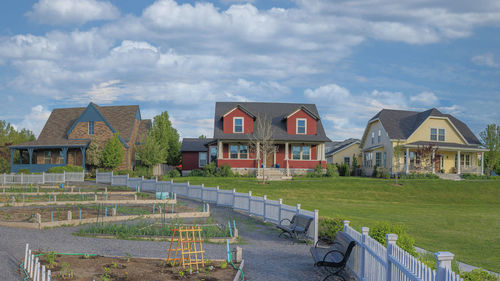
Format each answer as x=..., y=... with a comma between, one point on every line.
x=351, y=58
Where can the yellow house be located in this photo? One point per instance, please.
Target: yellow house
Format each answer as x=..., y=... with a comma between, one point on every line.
x=430, y=142
x=342, y=152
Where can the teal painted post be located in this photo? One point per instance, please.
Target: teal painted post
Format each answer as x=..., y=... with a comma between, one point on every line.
x=154, y=207
x=227, y=246
x=30, y=152
x=80, y=213
x=230, y=230
x=51, y=216
x=106, y=212
x=49, y=197
x=23, y=198
x=116, y=206
x=79, y=191
x=172, y=208
x=65, y=155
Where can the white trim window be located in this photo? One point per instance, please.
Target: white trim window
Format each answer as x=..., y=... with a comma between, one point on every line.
x=213, y=153
x=301, y=152
x=202, y=159
x=301, y=126
x=91, y=127
x=437, y=134
x=378, y=159
x=434, y=134
x=47, y=157
x=238, y=151
x=379, y=135
x=238, y=124
x=441, y=134
x=347, y=160
x=373, y=137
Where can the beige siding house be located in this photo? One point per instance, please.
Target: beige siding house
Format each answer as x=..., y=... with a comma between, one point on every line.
x=342, y=152
x=451, y=146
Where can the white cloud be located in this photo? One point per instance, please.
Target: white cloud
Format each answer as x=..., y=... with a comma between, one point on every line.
x=425, y=99
x=35, y=120
x=487, y=59
x=72, y=11
x=328, y=92
x=103, y=93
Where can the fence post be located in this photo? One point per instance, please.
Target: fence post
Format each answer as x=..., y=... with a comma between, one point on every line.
x=22, y=176
x=391, y=241
x=234, y=196
x=249, y=200
x=264, y=207
x=279, y=210
x=443, y=262
x=316, y=226
x=217, y=196
x=64, y=176
x=187, y=189
x=126, y=181
x=364, y=232
x=43, y=177
x=171, y=186
x=111, y=177
x=96, y=175
x=298, y=209
x=346, y=224
x=201, y=192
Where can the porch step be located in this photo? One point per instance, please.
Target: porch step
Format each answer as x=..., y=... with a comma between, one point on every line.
x=453, y=177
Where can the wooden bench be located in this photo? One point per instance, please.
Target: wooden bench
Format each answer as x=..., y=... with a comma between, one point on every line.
x=334, y=258
x=297, y=227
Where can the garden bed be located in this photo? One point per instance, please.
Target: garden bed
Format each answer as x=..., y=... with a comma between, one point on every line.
x=76, y=268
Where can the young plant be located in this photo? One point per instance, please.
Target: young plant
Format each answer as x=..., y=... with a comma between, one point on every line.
x=128, y=256
x=223, y=264
x=66, y=271
x=51, y=259
x=181, y=274
x=114, y=264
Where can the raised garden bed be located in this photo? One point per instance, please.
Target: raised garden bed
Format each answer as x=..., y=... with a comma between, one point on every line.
x=86, y=267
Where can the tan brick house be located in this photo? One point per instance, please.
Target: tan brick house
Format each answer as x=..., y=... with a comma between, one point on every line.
x=68, y=131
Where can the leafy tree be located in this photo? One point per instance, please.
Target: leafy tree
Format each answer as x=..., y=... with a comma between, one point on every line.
x=167, y=137
x=202, y=137
x=10, y=136
x=151, y=152
x=93, y=156
x=112, y=155
x=4, y=166
x=491, y=140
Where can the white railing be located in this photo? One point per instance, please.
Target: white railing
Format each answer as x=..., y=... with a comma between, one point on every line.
x=269, y=210
x=33, y=268
x=371, y=261
x=41, y=178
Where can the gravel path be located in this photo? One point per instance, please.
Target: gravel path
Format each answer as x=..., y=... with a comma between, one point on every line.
x=267, y=257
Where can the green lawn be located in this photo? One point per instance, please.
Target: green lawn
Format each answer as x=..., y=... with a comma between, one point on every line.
x=460, y=217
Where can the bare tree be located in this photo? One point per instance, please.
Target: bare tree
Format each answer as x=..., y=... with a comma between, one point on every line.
x=397, y=151
x=262, y=142
x=426, y=157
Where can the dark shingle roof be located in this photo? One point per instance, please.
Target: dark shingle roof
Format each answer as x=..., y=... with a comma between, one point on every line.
x=400, y=124
x=334, y=146
x=274, y=111
x=194, y=144
x=54, y=133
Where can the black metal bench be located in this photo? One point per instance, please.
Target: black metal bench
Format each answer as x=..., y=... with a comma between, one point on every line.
x=297, y=227
x=334, y=258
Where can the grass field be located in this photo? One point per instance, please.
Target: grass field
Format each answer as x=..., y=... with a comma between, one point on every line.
x=460, y=217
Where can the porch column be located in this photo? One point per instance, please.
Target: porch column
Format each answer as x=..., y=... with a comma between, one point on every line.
x=20, y=156
x=11, y=158
x=30, y=151
x=482, y=163
x=407, y=158
x=434, y=164
x=286, y=151
x=458, y=163
x=83, y=149
x=220, y=151
x=323, y=158
x=65, y=155
x=318, y=152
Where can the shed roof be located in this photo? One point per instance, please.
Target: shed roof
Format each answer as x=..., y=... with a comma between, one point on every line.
x=195, y=144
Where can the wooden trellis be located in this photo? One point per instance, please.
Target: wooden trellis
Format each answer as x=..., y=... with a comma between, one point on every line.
x=189, y=245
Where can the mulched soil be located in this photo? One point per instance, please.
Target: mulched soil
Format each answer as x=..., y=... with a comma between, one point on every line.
x=99, y=268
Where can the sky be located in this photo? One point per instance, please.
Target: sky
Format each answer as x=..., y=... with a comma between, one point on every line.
x=351, y=58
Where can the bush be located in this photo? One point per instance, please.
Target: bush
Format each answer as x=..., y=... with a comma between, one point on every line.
x=210, y=170
x=420, y=176
x=478, y=275
x=375, y=172
x=478, y=177
x=405, y=242
x=344, y=170
x=68, y=169
x=225, y=171
x=328, y=227
x=143, y=171
x=173, y=173
x=196, y=173
x=4, y=166
x=317, y=173
x=24, y=171
x=130, y=173
x=331, y=170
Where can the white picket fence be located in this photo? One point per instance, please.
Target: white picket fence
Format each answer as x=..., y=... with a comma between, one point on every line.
x=33, y=268
x=371, y=261
x=269, y=210
x=42, y=178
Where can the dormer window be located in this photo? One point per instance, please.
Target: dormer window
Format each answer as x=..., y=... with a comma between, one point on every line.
x=437, y=134
x=379, y=135
x=301, y=126
x=373, y=137
x=91, y=127
x=238, y=125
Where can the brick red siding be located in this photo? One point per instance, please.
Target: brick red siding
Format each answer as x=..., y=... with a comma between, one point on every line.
x=228, y=122
x=305, y=164
x=190, y=160
x=291, y=123
x=238, y=163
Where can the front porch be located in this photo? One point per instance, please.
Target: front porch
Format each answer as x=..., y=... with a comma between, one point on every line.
x=443, y=160
x=38, y=159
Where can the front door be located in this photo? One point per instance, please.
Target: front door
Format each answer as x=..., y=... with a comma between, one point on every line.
x=270, y=160
x=437, y=164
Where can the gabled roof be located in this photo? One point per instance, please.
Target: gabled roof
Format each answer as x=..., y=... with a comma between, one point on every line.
x=276, y=112
x=400, y=124
x=121, y=119
x=240, y=107
x=195, y=144
x=336, y=146
x=306, y=110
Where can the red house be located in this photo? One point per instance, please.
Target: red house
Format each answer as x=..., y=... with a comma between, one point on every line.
x=296, y=130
